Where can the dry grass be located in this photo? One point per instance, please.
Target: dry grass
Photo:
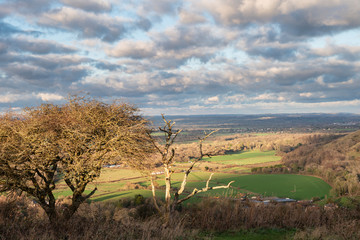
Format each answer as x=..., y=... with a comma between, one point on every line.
x=136, y=219
x=20, y=219
x=310, y=221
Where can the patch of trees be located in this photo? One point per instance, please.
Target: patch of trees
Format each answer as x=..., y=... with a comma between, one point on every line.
x=70, y=141
x=279, y=168
x=221, y=145
x=335, y=158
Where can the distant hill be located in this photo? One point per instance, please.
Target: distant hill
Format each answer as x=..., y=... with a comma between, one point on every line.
x=266, y=122
x=336, y=158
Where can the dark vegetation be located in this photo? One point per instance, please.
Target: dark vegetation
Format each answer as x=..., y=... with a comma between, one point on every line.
x=137, y=219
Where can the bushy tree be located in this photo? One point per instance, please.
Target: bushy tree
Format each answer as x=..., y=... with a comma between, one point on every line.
x=71, y=141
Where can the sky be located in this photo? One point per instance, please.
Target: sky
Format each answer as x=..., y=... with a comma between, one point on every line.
x=182, y=57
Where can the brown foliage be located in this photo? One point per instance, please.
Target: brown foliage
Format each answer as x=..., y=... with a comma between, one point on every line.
x=92, y=221
x=224, y=215
x=72, y=141
x=20, y=219
x=332, y=157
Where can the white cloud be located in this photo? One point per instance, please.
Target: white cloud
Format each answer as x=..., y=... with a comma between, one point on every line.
x=9, y=98
x=307, y=94
x=132, y=49
x=49, y=96
x=265, y=96
x=349, y=82
x=213, y=100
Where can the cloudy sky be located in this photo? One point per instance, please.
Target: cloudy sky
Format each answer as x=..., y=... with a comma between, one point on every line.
x=183, y=56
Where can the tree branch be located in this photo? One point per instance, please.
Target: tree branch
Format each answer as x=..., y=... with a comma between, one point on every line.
x=207, y=182
x=183, y=184
x=153, y=194
x=71, y=186
x=196, y=191
x=90, y=194
x=42, y=176
x=152, y=140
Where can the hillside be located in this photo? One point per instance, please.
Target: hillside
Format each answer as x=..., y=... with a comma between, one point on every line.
x=336, y=158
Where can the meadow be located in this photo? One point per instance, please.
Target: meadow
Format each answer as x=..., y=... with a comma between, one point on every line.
x=245, y=158
x=117, y=183
x=298, y=187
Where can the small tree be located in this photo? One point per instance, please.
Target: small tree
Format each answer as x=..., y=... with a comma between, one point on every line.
x=72, y=142
x=167, y=153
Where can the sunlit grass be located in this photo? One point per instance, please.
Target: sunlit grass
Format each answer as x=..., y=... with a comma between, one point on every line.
x=245, y=158
x=115, y=183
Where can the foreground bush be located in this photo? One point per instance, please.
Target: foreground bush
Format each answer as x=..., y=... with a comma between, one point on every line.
x=134, y=219
x=310, y=221
x=21, y=219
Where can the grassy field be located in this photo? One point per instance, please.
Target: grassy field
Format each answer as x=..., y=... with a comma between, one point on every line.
x=245, y=158
x=111, y=184
x=116, y=183
x=280, y=185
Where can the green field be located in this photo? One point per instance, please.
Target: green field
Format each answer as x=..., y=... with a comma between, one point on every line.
x=280, y=185
x=245, y=158
x=116, y=183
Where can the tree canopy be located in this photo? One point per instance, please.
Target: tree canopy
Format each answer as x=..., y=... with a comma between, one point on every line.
x=70, y=141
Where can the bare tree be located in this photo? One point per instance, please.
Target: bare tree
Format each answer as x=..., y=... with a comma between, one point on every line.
x=167, y=153
x=71, y=141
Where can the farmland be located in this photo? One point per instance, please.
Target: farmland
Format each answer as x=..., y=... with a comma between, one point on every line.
x=245, y=158
x=280, y=185
x=116, y=183
x=283, y=185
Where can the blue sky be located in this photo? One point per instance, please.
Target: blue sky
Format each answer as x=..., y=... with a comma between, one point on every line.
x=183, y=56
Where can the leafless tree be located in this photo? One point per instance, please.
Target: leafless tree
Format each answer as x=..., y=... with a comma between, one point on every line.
x=167, y=153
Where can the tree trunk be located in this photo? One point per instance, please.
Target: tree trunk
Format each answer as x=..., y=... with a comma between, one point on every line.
x=54, y=219
x=167, y=195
